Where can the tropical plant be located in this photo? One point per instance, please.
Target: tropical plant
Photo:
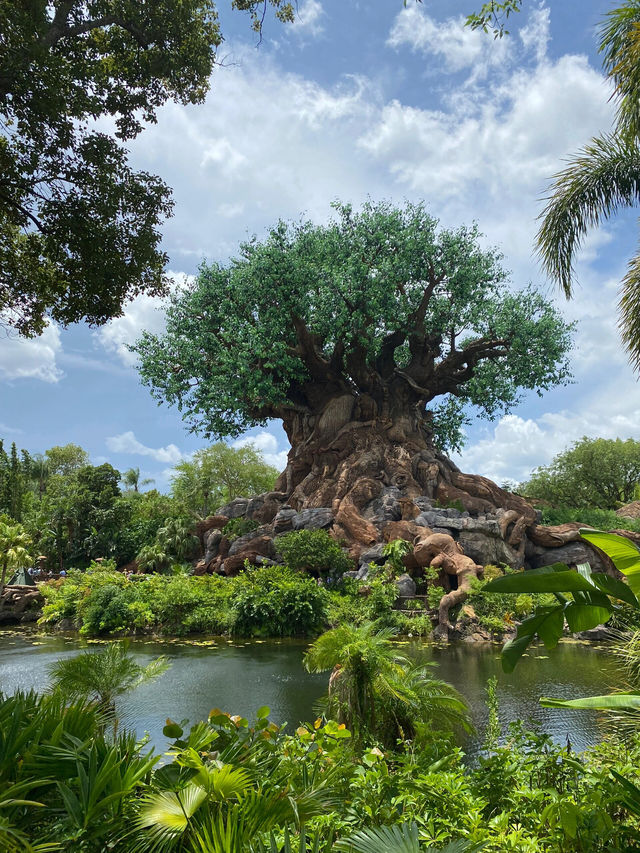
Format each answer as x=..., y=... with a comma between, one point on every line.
x=131, y=479
x=103, y=676
x=153, y=558
x=375, y=691
x=603, y=177
x=401, y=838
x=395, y=551
x=14, y=545
x=313, y=551
x=177, y=539
x=593, y=472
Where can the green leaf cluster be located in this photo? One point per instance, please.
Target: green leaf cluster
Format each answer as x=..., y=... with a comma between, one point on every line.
x=79, y=227
x=593, y=472
x=375, y=298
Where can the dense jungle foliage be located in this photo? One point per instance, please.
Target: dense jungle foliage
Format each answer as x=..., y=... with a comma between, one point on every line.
x=231, y=786
x=75, y=512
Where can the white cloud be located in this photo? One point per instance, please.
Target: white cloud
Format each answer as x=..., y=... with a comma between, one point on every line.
x=517, y=445
x=144, y=313
x=268, y=445
x=536, y=34
x=308, y=20
x=458, y=47
x=8, y=430
x=127, y=442
x=31, y=358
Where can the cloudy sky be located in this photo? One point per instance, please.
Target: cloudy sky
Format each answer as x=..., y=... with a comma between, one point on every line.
x=354, y=100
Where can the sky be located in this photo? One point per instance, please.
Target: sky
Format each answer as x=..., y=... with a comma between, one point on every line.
x=358, y=100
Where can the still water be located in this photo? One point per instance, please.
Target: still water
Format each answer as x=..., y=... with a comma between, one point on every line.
x=239, y=677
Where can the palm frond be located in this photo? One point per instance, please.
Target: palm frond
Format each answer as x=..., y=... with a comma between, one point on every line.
x=166, y=815
x=629, y=307
x=595, y=184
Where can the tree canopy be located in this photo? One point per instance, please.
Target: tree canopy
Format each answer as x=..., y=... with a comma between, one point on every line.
x=381, y=304
x=79, y=228
x=220, y=473
x=593, y=472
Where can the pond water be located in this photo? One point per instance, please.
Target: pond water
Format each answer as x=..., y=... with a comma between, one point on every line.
x=239, y=677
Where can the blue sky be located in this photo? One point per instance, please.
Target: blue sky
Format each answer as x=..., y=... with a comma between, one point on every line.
x=359, y=99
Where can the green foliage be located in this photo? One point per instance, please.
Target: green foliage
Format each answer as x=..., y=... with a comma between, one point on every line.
x=102, y=676
x=308, y=306
x=218, y=474
x=233, y=786
x=236, y=527
x=272, y=601
x=14, y=549
x=79, y=228
x=79, y=517
x=603, y=176
x=395, y=551
x=492, y=16
x=378, y=692
x=583, y=598
x=600, y=519
x=600, y=473
x=493, y=730
x=313, y=551
x=277, y=602
x=64, y=786
x=66, y=459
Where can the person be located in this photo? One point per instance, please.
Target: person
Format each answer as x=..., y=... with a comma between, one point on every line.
x=63, y=573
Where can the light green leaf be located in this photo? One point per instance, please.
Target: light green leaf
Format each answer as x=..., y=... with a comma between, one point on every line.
x=622, y=553
x=609, y=702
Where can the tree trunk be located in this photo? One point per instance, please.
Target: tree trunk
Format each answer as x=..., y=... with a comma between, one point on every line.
x=357, y=454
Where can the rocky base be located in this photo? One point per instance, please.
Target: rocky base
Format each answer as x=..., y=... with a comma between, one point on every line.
x=457, y=541
x=20, y=604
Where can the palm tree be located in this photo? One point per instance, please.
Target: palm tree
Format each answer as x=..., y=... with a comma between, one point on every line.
x=402, y=838
x=603, y=177
x=104, y=675
x=131, y=479
x=153, y=558
x=40, y=472
x=374, y=689
x=176, y=538
x=14, y=554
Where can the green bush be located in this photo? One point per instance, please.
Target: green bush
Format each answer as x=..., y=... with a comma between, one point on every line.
x=601, y=519
x=313, y=551
x=366, y=601
x=237, y=527
x=273, y=601
x=277, y=602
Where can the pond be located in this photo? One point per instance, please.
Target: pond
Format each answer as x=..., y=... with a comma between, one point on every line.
x=241, y=676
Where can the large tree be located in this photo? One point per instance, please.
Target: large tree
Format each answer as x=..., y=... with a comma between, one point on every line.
x=218, y=474
x=350, y=333
x=593, y=472
x=79, y=228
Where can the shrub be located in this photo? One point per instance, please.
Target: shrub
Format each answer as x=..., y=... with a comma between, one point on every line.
x=277, y=601
x=236, y=527
x=313, y=551
x=601, y=519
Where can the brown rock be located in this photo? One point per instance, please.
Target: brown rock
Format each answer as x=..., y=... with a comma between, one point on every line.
x=556, y=536
x=267, y=512
x=200, y=568
x=631, y=510
x=212, y=521
x=233, y=565
x=406, y=530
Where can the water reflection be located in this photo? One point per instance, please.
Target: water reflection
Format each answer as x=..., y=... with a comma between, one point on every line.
x=240, y=677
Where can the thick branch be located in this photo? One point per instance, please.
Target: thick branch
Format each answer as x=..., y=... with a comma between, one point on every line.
x=458, y=367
